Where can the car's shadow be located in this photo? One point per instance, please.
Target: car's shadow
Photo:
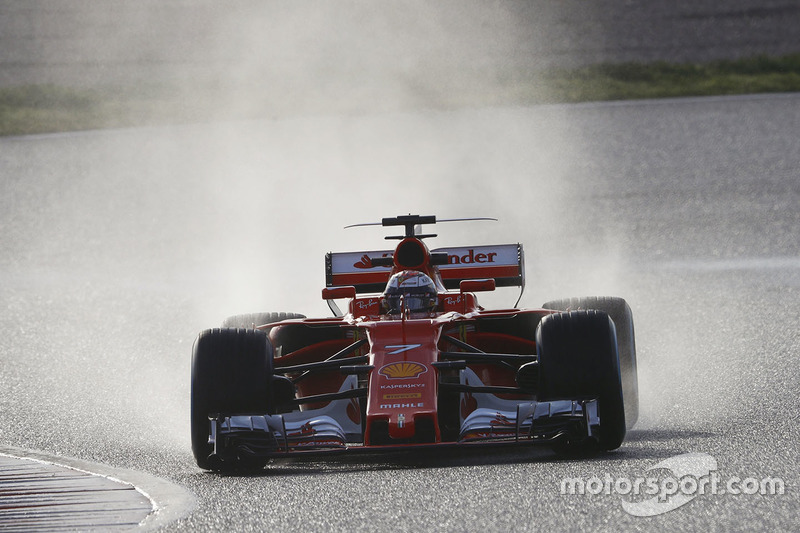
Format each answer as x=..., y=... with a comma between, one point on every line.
x=454, y=457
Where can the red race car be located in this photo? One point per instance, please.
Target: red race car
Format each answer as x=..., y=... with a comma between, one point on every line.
x=414, y=362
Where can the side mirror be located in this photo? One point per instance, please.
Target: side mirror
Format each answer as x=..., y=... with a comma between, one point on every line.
x=477, y=285
x=333, y=293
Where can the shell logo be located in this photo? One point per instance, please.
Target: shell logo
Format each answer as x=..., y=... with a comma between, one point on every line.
x=402, y=370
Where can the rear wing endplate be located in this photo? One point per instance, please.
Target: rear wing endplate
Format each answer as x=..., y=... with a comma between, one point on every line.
x=502, y=262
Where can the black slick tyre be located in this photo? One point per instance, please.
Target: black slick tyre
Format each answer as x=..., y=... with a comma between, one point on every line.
x=620, y=312
x=231, y=373
x=578, y=359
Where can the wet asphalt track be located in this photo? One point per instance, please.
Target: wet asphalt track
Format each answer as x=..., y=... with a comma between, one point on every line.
x=119, y=246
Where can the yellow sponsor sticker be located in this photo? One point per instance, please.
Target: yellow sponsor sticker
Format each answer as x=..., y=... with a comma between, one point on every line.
x=402, y=395
x=402, y=370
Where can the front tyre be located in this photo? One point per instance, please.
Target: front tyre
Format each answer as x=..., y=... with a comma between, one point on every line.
x=231, y=373
x=620, y=312
x=578, y=359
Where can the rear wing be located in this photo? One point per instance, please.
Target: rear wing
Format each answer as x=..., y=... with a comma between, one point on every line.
x=502, y=262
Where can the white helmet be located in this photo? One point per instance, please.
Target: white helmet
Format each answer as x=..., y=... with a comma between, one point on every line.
x=410, y=290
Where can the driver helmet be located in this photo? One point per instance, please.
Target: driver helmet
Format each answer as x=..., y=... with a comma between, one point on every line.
x=411, y=290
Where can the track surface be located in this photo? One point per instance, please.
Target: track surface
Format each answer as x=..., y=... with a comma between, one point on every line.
x=118, y=247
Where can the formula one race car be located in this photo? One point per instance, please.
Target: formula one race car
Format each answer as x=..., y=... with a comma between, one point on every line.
x=414, y=362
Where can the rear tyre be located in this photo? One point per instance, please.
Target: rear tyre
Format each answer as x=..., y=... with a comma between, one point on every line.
x=252, y=320
x=231, y=373
x=620, y=312
x=578, y=360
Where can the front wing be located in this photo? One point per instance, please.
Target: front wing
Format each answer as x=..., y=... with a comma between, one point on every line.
x=252, y=437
